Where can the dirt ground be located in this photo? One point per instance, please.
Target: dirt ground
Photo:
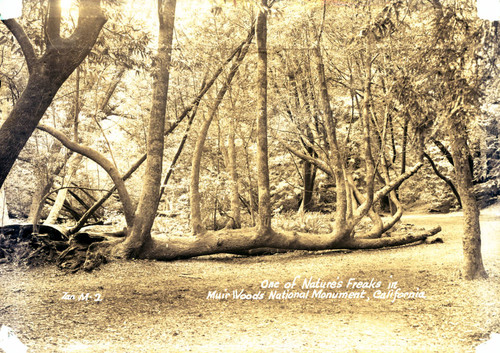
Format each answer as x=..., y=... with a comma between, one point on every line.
x=141, y=306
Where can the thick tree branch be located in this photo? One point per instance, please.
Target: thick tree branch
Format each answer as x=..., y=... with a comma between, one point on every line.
x=53, y=27
x=128, y=207
x=22, y=38
x=90, y=16
x=396, y=182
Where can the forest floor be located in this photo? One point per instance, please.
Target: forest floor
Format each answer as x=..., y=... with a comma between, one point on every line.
x=143, y=306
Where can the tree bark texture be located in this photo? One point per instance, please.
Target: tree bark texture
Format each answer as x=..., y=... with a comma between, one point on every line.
x=46, y=75
x=238, y=240
x=139, y=234
x=264, y=217
x=473, y=267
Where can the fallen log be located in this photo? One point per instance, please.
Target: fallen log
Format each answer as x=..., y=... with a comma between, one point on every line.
x=243, y=241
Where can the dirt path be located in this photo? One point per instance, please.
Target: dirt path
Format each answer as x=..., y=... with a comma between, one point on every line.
x=163, y=307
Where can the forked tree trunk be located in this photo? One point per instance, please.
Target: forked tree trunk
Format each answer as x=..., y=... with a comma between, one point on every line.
x=46, y=74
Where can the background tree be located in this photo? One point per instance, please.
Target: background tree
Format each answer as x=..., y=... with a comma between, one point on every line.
x=460, y=79
x=264, y=220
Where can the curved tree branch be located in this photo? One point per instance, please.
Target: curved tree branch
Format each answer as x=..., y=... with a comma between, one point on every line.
x=444, y=178
x=128, y=207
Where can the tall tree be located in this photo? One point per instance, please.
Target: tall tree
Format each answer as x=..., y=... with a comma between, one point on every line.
x=140, y=233
x=264, y=220
x=47, y=73
x=459, y=79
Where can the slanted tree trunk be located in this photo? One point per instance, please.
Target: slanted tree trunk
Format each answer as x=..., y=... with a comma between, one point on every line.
x=46, y=74
x=443, y=177
x=61, y=194
x=195, y=197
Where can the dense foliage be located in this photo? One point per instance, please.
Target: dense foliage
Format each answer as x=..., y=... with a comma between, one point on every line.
x=409, y=89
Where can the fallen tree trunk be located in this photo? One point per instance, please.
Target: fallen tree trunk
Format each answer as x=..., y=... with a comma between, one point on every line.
x=241, y=241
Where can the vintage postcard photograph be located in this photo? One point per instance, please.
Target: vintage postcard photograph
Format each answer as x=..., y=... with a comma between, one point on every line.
x=249, y=176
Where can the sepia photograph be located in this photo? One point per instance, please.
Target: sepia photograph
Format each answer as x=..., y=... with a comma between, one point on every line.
x=249, y=176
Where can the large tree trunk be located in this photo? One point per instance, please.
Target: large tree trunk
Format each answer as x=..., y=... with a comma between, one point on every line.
x=241, y=240
x=264, y=219
x=139, y=233
x=46, y=74
x=473, y=262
